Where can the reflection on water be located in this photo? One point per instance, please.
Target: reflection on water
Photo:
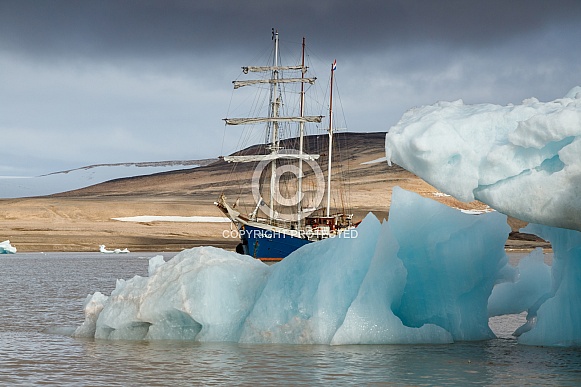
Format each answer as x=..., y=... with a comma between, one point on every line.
x=42, y=298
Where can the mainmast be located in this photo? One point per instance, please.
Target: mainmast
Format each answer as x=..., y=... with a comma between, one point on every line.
x=333, y=66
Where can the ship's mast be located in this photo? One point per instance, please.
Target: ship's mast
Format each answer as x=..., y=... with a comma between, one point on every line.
x=273, y=119
x=330, y=141
x=301, y=143
x=274, y=113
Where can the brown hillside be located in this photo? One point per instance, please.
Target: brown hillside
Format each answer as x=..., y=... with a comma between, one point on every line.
x=80, y=220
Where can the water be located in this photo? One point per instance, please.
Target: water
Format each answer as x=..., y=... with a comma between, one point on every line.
x=41, y=301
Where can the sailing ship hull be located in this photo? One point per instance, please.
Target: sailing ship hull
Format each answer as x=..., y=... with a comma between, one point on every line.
x=269, y=245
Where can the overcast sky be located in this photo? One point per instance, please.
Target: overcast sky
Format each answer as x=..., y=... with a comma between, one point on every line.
x=87, y=82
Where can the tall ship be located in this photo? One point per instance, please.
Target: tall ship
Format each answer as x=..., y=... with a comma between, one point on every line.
x=291, y=193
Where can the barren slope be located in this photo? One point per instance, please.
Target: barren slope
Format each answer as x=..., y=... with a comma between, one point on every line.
x=81, y=220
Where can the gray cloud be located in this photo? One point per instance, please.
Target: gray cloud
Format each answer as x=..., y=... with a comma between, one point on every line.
x=111, y=81
x=151, y=28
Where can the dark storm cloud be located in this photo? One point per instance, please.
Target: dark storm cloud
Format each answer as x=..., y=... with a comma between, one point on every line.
x=148, y=28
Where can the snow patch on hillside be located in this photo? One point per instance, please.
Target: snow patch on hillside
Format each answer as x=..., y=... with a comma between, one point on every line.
x=62, y=181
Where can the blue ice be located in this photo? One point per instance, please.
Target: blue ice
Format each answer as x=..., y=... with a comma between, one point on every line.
x=522, y=160
x=423, y=276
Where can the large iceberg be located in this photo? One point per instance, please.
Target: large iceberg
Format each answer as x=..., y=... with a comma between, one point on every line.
x=415, y=278
x=522, y=160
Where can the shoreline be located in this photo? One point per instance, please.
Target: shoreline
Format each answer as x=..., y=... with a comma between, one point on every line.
x=57, y=224
x=52, y=241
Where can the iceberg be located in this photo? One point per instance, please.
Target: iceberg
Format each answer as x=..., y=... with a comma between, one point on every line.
x=380, y=287
x=555, y=319
x=103, y=249
x=7, y=248
x=521, y=160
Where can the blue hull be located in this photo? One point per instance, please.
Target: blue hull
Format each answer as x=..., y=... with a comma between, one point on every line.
x=266, y=244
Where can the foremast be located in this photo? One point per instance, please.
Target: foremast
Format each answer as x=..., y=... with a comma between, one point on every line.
x=274, y=118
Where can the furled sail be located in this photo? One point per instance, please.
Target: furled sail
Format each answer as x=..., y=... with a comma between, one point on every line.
x=258, y=69
x=258, y=120
x=238, y=84
x=271, y=156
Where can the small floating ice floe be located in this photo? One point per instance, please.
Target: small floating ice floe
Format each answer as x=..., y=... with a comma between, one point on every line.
x=104, y=250
x=7, y=248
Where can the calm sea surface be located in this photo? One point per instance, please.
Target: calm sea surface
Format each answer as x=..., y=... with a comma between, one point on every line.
x=41, y=300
